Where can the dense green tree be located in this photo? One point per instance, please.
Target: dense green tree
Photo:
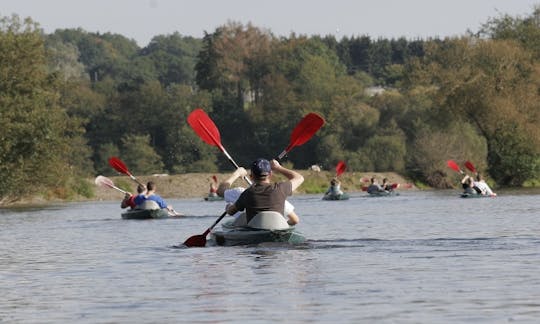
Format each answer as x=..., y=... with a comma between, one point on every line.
x=492, y=85
x=138, y=153
x=173, y=57
x=525, y=30
x=37, y=135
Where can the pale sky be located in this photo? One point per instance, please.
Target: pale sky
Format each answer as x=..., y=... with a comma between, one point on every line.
x=143, y=19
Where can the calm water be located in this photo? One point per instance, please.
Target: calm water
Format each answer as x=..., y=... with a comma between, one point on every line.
x=422, y=257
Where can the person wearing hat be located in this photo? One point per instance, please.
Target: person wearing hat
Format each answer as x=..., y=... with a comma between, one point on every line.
x=263, y=195
x=231, y=195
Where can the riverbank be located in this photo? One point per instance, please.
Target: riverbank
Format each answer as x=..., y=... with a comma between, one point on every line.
x=193, y=185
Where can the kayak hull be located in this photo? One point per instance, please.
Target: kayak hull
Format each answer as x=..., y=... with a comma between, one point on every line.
x=231, y=235
x=145, y=214
x=469, y=195
x=343, y=196
x=383, y=194
x=213, y=198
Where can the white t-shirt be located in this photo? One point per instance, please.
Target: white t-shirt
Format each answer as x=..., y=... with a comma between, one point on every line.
x=483, y=186
x=231, y=195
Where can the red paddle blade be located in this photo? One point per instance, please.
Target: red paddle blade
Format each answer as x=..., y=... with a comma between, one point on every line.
x=214, y=178
x=118, y=165
x=196, y=241
x=453, y=165
x=204, y=127
x=340, y=168
x=470, y=166
x=305, y=130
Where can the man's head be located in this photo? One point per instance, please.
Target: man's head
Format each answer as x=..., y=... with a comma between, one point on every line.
x=261, y=168
x=478, y=177
x=151, y=186
x=140, y=189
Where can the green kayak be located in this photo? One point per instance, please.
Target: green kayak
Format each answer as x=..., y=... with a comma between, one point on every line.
x=213, y=198
x=145, y=214
x=343, y=196
x=383, y=194
x=258, y=232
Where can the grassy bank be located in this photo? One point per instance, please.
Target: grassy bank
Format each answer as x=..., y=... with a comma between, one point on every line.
x=193, y=185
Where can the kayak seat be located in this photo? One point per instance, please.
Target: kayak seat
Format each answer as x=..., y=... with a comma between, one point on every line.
x=148, y=204
x=269, y=220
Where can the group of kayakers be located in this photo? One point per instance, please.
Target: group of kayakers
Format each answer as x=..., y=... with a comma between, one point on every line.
x=244, y=204
x=263, y=195
x=145, y=194
x=374, y=186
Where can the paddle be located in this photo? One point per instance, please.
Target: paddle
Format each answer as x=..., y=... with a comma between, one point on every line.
x=303, y=131
x=470, y=166
x=106, y=182
x=205, y=127
x=207, y=130
x=453, y=165
x=119, y=166
x=402, y=185
x=340, y=168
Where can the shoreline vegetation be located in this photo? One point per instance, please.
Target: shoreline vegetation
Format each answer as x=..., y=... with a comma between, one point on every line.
x=194, y=185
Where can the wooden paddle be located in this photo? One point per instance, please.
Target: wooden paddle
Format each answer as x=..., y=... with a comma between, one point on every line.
x=106, y=182
x=119, y=166
x=207, y=130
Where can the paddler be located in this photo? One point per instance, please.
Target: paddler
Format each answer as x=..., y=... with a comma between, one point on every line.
x=263, y=195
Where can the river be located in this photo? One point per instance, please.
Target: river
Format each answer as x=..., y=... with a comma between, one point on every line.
x=421, y=257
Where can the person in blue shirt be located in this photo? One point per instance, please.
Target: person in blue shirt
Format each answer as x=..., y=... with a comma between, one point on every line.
x=151, y=195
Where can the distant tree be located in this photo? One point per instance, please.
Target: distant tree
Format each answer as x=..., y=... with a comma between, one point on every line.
x=174, y=57
x=492, y=85
x=37, y=135
x=525, y=30
x=137, y=152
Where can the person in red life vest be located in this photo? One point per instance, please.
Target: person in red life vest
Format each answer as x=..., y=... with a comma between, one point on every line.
x=129, y=199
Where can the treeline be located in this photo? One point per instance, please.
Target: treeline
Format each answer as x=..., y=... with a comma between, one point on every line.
x=71, y=99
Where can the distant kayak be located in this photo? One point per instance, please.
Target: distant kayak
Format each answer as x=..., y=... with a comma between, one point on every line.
x=469, y=195
x=383, y=194
x=213, y=198
x=145, y=214
x=343, y=196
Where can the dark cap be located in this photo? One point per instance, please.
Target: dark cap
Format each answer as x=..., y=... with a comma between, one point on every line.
x=261, y=167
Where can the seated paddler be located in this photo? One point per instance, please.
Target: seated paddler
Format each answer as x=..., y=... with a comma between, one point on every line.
x=264, y=195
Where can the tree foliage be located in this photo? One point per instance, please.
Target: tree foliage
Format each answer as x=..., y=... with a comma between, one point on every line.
x=72, y=99
x=38, y=139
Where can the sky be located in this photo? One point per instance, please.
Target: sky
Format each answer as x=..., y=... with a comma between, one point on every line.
x=143, y=19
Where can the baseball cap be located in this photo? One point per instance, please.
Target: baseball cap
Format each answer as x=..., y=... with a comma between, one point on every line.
x=261, y=167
